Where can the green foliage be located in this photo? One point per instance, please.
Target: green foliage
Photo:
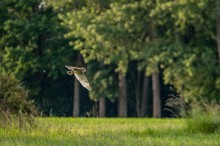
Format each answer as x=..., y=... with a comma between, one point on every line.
x=33, y=49
x=177, y=37
x=157, y=37
x=199, y=71
x=14, y=104
x=31, y=37
x=187, y=50
x=109, y=35
x=37, y=38
x=104, y=81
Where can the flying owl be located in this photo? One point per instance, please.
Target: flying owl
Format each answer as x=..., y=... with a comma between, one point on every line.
x=79, y=74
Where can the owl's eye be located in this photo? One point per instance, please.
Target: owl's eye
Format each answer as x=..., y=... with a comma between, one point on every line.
x=83, y=70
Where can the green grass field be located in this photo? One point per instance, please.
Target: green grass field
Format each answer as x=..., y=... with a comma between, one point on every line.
x=107, y=132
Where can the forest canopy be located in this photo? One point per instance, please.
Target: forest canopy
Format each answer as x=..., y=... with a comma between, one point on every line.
x=138, y=53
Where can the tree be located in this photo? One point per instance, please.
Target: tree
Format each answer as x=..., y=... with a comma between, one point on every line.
x=156, y=95
x=119, y=32
x=104, y=84
x=115, y=36
x=33, y=48
x=187, y=51
x=144, y=100
x=89, y=40
x=76, y=96
x=218, y=28
x=122, y=43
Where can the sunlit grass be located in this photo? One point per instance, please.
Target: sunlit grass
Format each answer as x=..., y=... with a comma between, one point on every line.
x=112, y=131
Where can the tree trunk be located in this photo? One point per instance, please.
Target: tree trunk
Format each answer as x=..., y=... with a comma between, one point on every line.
x=144, y=96
x=218, y=29
x=138, y=94
x=76, y=96
x=102, y=107
x=156, y=95
x=122, y=101
x=76, y=99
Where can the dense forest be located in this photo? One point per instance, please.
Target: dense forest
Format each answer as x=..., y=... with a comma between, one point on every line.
x=137, y=53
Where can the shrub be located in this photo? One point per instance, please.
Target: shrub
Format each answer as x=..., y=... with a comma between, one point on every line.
x=177, y=107
x=15, y=107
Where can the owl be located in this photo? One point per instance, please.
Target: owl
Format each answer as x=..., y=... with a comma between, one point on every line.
x=79, y=74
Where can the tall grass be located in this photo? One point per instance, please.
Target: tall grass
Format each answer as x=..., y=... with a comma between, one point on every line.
x=201, y=115
x=177, y=107
x=106, y=132
x=205, y=117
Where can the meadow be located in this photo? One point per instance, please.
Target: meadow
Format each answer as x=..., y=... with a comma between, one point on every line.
x=106, y=132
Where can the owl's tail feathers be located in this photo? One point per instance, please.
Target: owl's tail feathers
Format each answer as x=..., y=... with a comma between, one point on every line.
x=70, y=72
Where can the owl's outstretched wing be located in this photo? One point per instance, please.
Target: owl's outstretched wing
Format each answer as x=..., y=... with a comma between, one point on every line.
x=83, y=80
x=70, y=67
